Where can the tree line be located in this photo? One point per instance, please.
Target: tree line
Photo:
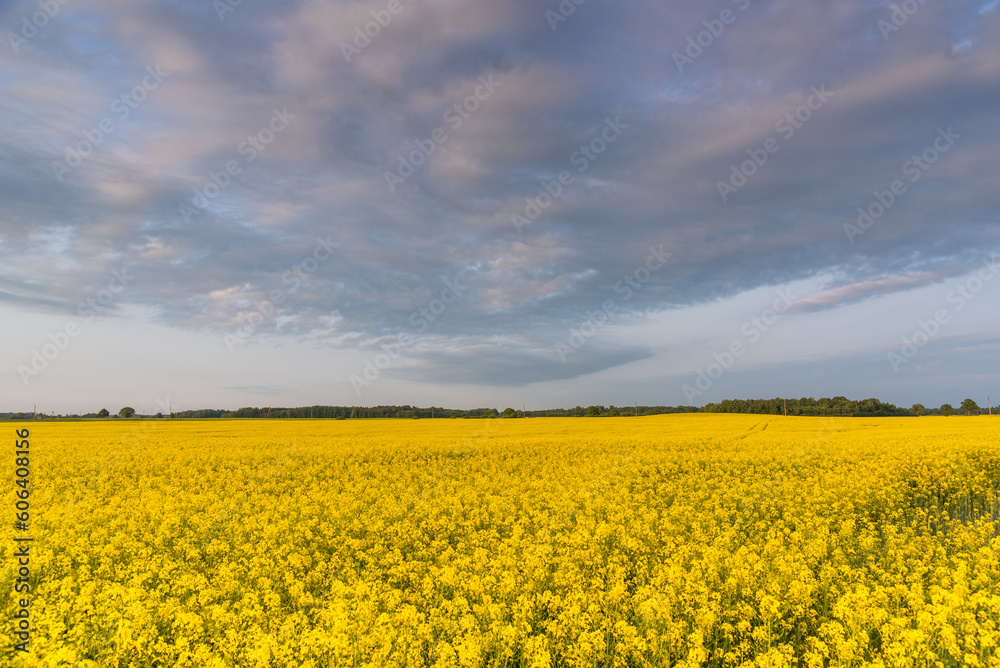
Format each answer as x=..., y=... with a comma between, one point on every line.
x=836, y=406
x=833, y=407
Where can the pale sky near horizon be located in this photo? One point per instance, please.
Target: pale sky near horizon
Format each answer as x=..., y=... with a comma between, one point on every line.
x=475, y=203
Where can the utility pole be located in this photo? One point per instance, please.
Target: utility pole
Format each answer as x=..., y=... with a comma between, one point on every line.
x=786, y=407
x=636, y=409
x=34, y=413
x=522, y=410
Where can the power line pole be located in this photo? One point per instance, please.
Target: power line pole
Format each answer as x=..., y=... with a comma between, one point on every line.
x=786, y=407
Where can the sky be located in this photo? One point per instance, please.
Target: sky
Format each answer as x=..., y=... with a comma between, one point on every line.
x=497, y=203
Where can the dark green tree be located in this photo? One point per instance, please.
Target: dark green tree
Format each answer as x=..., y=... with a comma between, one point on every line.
x=126, y=412
x=947, y=409
x=104, y=413
x=969, y=405
x=593, y=411
x=509, y=413
x=918, y=409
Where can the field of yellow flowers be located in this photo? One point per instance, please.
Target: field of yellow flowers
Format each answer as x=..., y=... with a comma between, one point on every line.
x=683, y=540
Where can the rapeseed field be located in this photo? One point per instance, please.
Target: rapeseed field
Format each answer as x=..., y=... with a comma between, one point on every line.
x=683, y=540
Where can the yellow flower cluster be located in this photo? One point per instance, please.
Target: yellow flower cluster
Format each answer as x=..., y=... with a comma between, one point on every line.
x=684, y=540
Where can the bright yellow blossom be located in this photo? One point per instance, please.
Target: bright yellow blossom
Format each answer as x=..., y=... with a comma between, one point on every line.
x=687, y=540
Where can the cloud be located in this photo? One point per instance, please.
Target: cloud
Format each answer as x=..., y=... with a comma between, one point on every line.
x=856, y=292
x=324, y=176
x=505, y=366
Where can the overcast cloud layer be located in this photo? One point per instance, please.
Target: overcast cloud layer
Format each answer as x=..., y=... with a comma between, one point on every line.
x=484, y=203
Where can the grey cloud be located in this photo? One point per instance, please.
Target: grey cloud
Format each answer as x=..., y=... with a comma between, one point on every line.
x=510, y=368
x=657, y=183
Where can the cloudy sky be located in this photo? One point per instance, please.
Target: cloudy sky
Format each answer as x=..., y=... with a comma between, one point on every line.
x=481, y=203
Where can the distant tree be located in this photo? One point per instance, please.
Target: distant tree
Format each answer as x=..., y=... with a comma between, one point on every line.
x=969, y=405
x=126, y=412
x=918, y=409
x=159, y=415
x=947, y=409
x=593, y=411
x=489, y=413
x=104, y=413
x=509, y=413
